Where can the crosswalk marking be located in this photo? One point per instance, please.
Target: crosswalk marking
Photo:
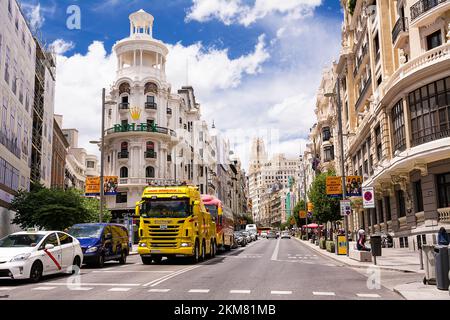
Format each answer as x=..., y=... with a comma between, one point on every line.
x=199, y=291
x=96, y=284
x=159, y=290
x=80, y=288
x=240, y=291
x=280, y=292
x=368, y=295
x=44, y=288
x=319, y=293
x=119, y=289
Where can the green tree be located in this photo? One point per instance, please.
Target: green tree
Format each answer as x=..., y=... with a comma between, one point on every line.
x=299, y=206
x=92, y=205
x=325, y=208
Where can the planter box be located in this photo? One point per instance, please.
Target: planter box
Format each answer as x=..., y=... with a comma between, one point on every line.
x=331, y=246
x=322, y=243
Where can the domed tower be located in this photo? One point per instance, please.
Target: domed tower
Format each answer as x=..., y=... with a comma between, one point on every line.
x=140, y=135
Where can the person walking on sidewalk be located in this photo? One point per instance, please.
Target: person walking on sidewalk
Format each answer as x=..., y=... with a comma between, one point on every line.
x=361, y=244
x=443, y=237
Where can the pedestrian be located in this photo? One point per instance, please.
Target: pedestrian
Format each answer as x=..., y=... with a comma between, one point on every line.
x=443, y=237
x=360, y=245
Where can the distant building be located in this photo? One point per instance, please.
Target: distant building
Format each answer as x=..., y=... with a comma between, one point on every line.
x=59, y=153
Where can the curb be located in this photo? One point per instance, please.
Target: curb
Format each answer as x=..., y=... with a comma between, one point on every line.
x=357, y=266
x=399, y=293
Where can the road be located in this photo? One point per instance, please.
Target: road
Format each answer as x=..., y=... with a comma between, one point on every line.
x=266, y=269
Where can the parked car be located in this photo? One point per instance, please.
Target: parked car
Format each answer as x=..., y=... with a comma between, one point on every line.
x=272, y=235
x=102, y=242
x=248, y=236
x=253, y=236
x=285, y=235
x=240, y=239
x=33, y=254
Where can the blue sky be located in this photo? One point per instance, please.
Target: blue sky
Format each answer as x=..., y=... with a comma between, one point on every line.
x=255, y=64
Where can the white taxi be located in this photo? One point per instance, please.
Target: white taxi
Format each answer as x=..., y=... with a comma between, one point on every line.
x=33, y=254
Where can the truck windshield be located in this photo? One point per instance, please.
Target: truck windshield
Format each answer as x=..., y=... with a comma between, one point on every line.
x=87, y=231
x=212, y=209
x=165, y=209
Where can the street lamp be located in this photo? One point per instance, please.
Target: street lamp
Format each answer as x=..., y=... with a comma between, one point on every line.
x=337, y=96
x=102, y=153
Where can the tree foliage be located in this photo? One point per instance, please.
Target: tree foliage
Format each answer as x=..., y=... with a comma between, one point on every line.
x=53, y=209
x=298, y=207
x=325, y=208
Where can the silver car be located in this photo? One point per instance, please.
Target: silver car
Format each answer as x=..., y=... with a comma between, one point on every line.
x=248, y=236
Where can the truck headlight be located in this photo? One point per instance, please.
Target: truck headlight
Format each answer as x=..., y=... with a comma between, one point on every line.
x=21, y=257
x=92, y=249
x=186, y=244
x=142, y=244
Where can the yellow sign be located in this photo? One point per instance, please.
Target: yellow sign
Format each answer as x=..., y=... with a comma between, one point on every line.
x=334, y=186
x=310, y=207
x=302, y=214
x=135, y=113
x=342, y=245
x=109, y=186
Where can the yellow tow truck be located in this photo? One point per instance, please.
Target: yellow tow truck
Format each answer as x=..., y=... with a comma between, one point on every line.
x=174, y=223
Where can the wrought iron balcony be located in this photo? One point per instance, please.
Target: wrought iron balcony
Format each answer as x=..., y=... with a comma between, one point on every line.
x=151, y=105
x=124, y=106
x=400, y=26
x=422, y=6
x=142, y=127
x=421, y=137
x=123, y=155
x=150, y=154
x=363, y=92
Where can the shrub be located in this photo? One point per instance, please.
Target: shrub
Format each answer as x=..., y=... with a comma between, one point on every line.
x=322, y=243
x=304, y=237
x=330, y=246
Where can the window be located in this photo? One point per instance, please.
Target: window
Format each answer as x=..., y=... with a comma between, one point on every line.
x=150, y=99
x=121, y=197
x=398, y=122
x=443, y=186
x=90, y=164
x=326, y=134
x=150, y=146
x=387, y=205
x=51, y=239
x=380, y=210
x=434, y=40
x=124, y=172
x=401, y=203
x=7, y=62
x=328, y=153
x=430, y=112
x=418, y=196
x=64, y=238
x=376, y=43
x=378, y=142
x=149, y=172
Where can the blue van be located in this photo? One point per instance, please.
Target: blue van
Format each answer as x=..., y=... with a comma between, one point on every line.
x=101, y=242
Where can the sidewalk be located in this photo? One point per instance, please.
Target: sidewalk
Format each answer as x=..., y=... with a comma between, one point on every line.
x=134, y=250
x=393, y=259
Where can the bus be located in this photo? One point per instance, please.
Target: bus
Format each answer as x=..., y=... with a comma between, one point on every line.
x=224, y=221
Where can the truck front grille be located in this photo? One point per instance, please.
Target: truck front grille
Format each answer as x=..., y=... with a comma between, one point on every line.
x=163, y=238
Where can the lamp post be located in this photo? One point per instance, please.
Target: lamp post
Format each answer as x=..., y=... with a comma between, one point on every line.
x=102, y=152
x=337, y=96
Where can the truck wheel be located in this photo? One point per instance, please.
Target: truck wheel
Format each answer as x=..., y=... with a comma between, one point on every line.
x=146, y=260
x=195, y=256
x=213, y=249
x=203, y=257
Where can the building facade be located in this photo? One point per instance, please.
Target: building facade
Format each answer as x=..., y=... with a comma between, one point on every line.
x=394, y=72
x=59, y=153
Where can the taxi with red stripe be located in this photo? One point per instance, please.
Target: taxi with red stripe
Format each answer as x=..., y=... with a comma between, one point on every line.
x=32, y=254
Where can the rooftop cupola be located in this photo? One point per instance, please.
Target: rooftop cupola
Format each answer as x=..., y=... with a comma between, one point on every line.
x=141, y=23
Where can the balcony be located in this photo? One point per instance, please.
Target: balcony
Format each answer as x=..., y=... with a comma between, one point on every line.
x=147, y=181
x=435, y=135
x=136, y=128
x=124, y=106
x=169, y=111
x=359, y=60
x=122, y=154
x=444, y=214
x=151, y=106
x=150, y=154
x=399, y=32
x=421, y=7
x=363, y=92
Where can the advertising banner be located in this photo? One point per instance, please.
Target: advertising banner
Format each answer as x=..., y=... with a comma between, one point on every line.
x=334, y=187
x=342, y=245
x=93, y=186
x=368, y=197
x=353, y=185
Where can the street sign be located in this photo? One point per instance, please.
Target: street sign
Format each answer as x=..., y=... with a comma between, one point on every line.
x=334, y=186
x=368, y=197
x=346, y=207
x=353, y=184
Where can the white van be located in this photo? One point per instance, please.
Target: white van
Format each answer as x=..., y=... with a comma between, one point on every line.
x=251, y=228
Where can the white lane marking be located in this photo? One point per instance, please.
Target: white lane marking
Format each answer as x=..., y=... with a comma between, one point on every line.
x=119, y=289
x=44, y=288
x=95, y=284
x=240, y=291
x=7, y=288
x=128, y=265
x=368, y=295
x=318, y=293
x=158, y=290
x=280, y=292
x=167, y=277
x=275, y=252
x=293, y=257
x=80, y=288
x=129, y=271
x=199, y=291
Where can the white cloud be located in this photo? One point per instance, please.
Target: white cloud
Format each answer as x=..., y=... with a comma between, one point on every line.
x=60, y=46
x=34, y=15
x=236, y=11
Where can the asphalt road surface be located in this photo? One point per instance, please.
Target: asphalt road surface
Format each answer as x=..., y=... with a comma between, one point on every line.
x=266, y=269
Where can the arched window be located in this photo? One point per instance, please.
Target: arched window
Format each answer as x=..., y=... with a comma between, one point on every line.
x=124, y=87
x=124, y=172
x=150, y=87
x=149, y=172
x=124, y=146
x=150, y=146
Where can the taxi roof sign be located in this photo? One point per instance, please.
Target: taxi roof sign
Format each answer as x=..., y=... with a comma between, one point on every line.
x=32, y=230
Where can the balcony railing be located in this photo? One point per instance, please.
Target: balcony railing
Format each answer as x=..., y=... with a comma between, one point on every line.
x=169, y=111
x=122, y=154
x=444, y=214
x=149, y=181
x=143, y=127
x=150, y=154
x=400, y=26
x=151, y=105
x=124, y=106
x=363, y=92
x=359, y=60
x=422, y=6
x=435, y=135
